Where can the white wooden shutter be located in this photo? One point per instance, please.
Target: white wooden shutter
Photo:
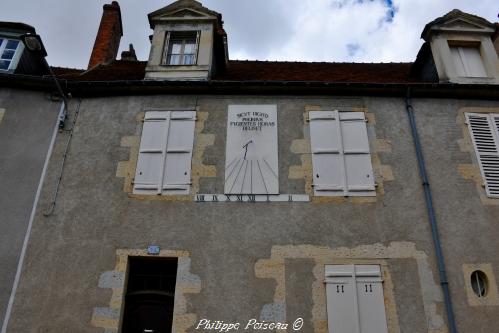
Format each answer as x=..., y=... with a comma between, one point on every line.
x=484, y=130
x=152, y=151
x=372, y=315
x=355, y=302
x=340, y=154
x=164, y=162
x=327, y=159
x=458, y=61
x=358, y=167
x=177, y=174
x=342, y=316
x=468, y=61
x=473, y=61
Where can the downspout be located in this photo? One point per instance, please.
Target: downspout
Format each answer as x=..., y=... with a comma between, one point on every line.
x=431, y=215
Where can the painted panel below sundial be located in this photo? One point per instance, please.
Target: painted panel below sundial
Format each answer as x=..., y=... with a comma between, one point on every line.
x=251, y=159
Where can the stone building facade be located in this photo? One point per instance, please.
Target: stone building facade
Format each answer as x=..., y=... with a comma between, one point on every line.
x=284, y=190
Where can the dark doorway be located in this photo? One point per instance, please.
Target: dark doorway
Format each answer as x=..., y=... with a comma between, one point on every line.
x=150, y=295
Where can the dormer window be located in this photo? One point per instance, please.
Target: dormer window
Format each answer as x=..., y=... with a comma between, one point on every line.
x=188, y=43
x=468, y=61
x=182, y=48
x=462, y=50
x=8, y=48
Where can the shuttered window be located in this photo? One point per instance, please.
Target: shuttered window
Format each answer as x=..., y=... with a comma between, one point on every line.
x=165, y=153
x=484, y=130
x=468, y=61
x=355, y=302
x=340, y=154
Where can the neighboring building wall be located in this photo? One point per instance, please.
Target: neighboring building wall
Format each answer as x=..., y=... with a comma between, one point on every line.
x=258, y=260
x=27, y=121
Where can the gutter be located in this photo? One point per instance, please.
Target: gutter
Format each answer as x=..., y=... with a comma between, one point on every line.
x=221, y=87
x=431, y=215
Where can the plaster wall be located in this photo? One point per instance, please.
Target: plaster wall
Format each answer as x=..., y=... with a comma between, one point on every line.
x=27, y=121
x=257, y=260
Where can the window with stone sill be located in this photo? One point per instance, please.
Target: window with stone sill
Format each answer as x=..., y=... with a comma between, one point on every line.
x=484, y=131
x=355, y=301
x=341, y=157
x=165, y=153
x=8, y=49
x=181, y=48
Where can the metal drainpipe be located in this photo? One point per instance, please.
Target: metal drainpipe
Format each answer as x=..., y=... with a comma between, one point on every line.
x=431, y=214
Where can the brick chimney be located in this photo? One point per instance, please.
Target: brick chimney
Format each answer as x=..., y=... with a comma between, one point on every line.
x=107, y=41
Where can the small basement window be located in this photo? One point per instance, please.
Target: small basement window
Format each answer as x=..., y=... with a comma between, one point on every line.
x=479, y=283
x=468, y=61
x=150, y=295
x=182, y=48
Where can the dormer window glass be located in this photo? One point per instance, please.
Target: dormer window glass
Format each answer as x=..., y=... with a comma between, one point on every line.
x=8, y=48
x=468, y=61
x=182, y=48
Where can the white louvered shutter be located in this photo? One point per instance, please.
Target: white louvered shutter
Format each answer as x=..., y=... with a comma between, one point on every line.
x=177, y=174
x=484, y=130
x=165, y=153
x=148, y=175
x=359, y=172
x=327, y=159
x=355, y=302
x=340, y=154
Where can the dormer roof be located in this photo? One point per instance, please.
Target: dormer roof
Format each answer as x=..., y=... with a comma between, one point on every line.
x=456, y=20
x=183, y=9
x=17, y=27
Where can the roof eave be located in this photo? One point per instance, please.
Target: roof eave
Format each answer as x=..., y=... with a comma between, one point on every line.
x=143, y=87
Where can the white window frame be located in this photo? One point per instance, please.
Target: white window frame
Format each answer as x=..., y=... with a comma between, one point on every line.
x=320, y=148
x=17, y=54
x=170, y=35
x=350, y=307
x=484, y=132
x=167, y=154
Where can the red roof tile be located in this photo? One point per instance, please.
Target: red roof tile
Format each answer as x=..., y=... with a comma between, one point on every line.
x=119, y=70
x=265, y=71
x=316, y=71
x=64, y=71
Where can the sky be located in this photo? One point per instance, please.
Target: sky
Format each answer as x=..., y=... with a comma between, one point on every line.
x=283, y=30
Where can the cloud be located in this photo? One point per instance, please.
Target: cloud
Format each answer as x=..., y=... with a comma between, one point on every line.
x=352, y=49
x=308, y=30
